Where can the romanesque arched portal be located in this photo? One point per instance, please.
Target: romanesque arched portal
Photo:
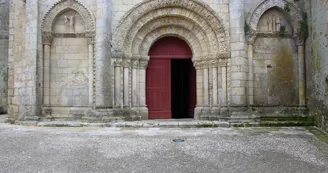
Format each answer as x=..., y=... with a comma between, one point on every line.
x=68, y=31
x=191, y=20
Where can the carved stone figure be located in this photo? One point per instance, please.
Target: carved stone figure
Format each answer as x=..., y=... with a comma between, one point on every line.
x=278, y=24
x=70, y=20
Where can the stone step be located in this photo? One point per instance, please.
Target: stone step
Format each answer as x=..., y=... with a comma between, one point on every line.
x=133, y=124
x=169, y=124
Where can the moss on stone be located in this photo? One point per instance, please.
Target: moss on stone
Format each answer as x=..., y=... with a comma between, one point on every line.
x=282, y=77
x=206, y=125
x=319, y=133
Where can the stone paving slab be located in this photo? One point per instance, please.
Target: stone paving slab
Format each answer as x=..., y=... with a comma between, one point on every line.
x=152, y=150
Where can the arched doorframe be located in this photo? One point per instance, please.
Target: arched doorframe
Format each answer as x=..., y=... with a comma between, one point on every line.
x=170, y=80
x=296, y=18
x=152, y=19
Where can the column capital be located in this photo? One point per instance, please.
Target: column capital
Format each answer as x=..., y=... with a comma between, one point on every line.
x=143, y=64
x=135, y=63
x=118, y=62
x=126, y=63
x=90, y=40
x=47, y=38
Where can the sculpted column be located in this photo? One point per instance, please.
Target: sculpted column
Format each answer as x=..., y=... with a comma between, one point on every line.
x=250, y=89
x=46, y=40
x=199, y=89
x=143, y=110
x=91, y=60
x=126, y=78
x=224, y=86
x=117, y=70
x=215, y=89
x=135, y=66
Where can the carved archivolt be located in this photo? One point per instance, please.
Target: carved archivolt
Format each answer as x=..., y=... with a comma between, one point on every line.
x=182, y=33
x=63, y=6
x=153, y=19
x=294, y=14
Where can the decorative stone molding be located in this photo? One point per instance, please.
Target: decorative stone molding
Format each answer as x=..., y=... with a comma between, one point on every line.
x=117, y=55
x=294, y=14
x=192, y=40
x=156, y=21
x=155, y=16
x=62, y=5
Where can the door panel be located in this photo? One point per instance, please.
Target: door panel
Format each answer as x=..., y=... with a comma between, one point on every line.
x=159, y=80
x=158, y=90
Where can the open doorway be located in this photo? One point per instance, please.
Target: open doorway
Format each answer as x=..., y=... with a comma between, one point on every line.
x=170, y=80
x=183, y=88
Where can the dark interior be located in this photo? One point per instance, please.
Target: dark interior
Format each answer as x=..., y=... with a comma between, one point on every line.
x=180, y=75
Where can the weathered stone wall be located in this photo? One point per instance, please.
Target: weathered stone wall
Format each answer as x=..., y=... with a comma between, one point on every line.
x=275, y=62
x=17, y=28
x=275, y=72
x=96, y=61
x=317, y=62
x=4, y=27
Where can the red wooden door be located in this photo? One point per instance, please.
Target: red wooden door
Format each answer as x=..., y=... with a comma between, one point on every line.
x=158, y=89
x=158, y=76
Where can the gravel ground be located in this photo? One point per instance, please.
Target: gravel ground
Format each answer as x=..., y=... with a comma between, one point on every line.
x=206, y=150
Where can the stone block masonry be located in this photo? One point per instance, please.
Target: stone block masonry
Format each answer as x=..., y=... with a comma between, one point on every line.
x=87, y=60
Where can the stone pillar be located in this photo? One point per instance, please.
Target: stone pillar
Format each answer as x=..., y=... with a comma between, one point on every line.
x=214, y=79
x=301, y=75
x=135, y=65
x=199, y=88
x=224, y=85
x=117, y=69
x=250, y=91
x=91, y=58
x=103, y=56
x=143, y=63
x=219, y=83
x=126, y=78
x=238, y=61
x=206, y=87
x=29, y=107
x=46, y=74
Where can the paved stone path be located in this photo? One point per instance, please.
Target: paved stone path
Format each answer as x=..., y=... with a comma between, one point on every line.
x=206, y=150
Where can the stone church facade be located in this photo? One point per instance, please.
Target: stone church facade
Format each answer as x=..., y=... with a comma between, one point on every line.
x=90, y=59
